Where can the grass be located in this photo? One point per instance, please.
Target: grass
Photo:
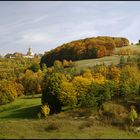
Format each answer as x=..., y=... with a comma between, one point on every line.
x=21, y=108
x=60, y=129
x=115, y=59
x=18, y=120
x=91, y=62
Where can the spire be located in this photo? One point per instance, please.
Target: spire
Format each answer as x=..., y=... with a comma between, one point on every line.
x=30, y=52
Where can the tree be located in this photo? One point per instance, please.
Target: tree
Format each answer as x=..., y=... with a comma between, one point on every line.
x=8, y=55
x=9, y=90
x=68, y=94
x=129, y=59
x=129, y=81
x=84, y=49
x=52, y=91
x=113, y=73
x=81, y=84
x=122, y=60
x=34, y=67
x=99, y=93
x=32, y=82
x=58, y=67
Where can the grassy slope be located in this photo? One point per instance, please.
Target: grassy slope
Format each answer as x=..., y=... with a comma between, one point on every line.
x=18, y=120
x=106, y=60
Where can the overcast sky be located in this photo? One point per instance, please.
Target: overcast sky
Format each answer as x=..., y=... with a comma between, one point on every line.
x=48, y=24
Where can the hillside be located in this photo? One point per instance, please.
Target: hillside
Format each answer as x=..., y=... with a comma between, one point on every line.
x=95, y=47
x=107, y=60
x=18, y=120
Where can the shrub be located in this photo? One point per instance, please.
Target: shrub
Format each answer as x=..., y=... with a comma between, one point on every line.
x=133, y=114
x=34, y=67
x=88, y=100
x=122, y=60
x=58, y=66
x=117, y=110
x=67, y=64
x=9, y=90
x=45, y=110
x=6, y=97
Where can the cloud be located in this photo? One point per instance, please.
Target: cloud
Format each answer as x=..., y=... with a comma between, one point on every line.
x=36, y=38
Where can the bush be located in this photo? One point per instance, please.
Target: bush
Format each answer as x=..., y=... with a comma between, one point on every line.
x=45, y=110
x=133, y=114
x=6, y=97
x=88, y=100
x=114, y=110
x=51, y=92
x=9, y=90
x=34, y=67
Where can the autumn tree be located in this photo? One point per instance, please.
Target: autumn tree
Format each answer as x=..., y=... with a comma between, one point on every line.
x=122, y=60
x=129, y=81
x=34, y=67
x=51, y=92
x=32, y=82
x=68, y=94
x=88, y=48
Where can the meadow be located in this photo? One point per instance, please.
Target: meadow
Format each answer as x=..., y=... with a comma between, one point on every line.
x=107, y=60
x=19, y=120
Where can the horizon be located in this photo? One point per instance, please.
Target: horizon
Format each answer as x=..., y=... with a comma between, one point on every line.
x=46, y=25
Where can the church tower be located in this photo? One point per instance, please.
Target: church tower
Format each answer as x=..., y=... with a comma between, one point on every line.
x=30, y=52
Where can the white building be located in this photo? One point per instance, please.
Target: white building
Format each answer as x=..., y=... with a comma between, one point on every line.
x=29, y=54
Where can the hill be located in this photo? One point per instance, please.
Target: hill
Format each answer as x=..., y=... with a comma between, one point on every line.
x=107, y=60
x=95, y=47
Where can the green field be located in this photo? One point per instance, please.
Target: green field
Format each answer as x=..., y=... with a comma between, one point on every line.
x=19, y=120
x=91, y=62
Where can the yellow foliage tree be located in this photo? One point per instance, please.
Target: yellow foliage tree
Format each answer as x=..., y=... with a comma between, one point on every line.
x=102, y=69
x=114, y=73
x=81, y=84
x=88, y=74
x=68, y=94
x=99, y=78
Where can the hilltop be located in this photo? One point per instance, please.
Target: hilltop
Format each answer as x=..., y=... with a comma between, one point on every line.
x=95, y=47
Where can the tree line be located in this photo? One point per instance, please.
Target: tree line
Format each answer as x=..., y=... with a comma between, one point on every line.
x=88, y=48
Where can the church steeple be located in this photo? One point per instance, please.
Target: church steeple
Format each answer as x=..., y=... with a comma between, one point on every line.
x=30, y=52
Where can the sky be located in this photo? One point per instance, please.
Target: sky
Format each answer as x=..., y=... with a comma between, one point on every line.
x=46, y=25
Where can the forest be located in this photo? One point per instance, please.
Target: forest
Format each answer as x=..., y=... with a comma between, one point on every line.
x=95, y=47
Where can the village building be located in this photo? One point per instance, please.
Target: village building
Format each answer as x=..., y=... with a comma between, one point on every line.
x=29, y=54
